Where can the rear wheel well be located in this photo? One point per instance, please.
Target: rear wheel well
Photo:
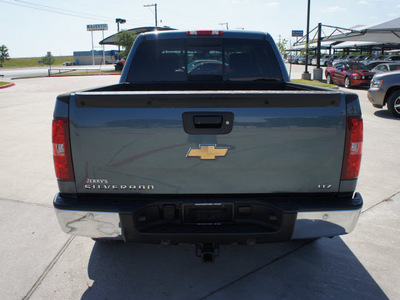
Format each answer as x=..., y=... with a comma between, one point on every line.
x=389, y=92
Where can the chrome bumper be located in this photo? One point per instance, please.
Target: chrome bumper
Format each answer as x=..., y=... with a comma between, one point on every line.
x=91, y=224
x=325, y=223
x=308, y=224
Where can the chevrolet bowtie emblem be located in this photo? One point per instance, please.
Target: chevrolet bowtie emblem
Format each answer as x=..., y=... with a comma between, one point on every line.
x=207, y=151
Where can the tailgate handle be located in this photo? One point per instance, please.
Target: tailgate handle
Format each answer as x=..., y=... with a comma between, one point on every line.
x=207, y=122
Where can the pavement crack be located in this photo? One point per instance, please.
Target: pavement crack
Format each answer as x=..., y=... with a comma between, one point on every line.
x=380, y=202
x=283, y=256
x=25, y=202
x=256, y=270
x=48, y=269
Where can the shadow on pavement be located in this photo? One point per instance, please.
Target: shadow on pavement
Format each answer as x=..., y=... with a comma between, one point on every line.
x=325, y=268
x=385, y=114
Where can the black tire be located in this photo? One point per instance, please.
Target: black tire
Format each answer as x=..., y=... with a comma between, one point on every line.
x=347, y=82
x=393, y=104
x=328, y=79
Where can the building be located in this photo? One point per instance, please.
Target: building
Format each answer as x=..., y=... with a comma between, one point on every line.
x=86, y=58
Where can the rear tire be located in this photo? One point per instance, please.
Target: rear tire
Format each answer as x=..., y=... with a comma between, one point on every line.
x=347, y=82
x=393, y=104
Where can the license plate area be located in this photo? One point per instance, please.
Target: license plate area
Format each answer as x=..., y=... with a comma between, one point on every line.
x=208, y=213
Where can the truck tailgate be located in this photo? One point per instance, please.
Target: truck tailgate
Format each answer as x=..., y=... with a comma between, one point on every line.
x=165, y=142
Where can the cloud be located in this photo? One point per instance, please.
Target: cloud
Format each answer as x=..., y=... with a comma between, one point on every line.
x=272, y=4
x=336, y=9
x=362, y=2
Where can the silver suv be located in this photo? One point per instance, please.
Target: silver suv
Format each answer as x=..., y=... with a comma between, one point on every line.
x=385, y=90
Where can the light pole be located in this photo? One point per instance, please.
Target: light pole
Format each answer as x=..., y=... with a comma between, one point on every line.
x=155, y=8
x=119, y=21
x=306, y=75
x=225, y=23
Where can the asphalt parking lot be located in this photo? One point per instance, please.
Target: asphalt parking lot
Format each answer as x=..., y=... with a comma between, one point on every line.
x=39, y=261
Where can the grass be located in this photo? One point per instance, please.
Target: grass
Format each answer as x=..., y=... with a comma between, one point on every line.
x=33, y=62
x=314, y=82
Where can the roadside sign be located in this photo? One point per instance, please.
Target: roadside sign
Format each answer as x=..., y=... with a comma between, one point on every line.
x=297, y=33
x=97, y=27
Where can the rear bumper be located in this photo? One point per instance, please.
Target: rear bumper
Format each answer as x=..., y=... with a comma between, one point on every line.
x=254, y=219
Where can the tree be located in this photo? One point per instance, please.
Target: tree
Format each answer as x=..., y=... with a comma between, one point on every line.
x=282, y=47
x=307, y=46
x=48, y=59
x=3, y=54
x=126, y=39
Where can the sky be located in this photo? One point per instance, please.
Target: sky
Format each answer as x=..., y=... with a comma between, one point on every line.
x=31, y=28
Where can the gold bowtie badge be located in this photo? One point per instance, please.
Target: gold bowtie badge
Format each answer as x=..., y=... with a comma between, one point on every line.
x=207, y=151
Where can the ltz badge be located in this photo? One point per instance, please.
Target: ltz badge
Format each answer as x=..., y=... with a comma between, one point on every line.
x=207, y=151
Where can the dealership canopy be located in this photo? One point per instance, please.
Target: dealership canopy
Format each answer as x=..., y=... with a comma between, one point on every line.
x=385, y=32
x=112, y=40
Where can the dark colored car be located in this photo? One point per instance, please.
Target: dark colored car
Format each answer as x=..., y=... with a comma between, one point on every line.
x=206, y=67
x=301, y=60
x=385, y=90
x=292, y=59
x=349, y=74
x=119, y=65
x=393, y=58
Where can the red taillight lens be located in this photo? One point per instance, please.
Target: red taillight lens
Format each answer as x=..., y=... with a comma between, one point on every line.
x=353, y=148
x=205, y=32
x=61, y=150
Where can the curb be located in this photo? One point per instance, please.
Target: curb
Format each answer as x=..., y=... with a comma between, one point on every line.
x=71, y=75
x=7, y=85
x=54, y=76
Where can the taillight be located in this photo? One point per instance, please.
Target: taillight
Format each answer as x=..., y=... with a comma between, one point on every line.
x=204, y=32
x=62, y=150
x=353, y=148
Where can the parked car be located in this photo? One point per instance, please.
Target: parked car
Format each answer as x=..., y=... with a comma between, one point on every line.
x=386, y=67
x=119, y=65
x=349, y=74
x=331, y=59
x=385, y=90
x=292, y=59
x=372, y=64
x=301, y=60
x=393, y=58
x=324, y=60
x=199, y=67
x=339, y=59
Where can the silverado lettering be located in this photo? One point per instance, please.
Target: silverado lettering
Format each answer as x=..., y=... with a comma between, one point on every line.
x=119, y=187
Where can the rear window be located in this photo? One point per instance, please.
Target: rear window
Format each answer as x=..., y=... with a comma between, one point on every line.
x=394, y=67
x=183, y=60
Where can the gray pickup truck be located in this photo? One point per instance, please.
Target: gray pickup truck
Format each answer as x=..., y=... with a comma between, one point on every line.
x=206, y=141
